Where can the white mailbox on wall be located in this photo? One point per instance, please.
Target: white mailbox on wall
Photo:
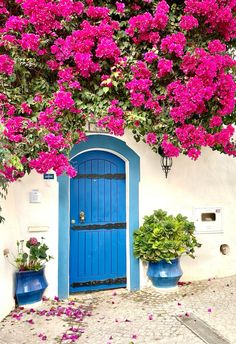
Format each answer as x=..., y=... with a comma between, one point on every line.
x=208, y=220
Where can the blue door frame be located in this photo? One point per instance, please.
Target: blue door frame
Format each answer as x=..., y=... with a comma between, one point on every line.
x=117, y=147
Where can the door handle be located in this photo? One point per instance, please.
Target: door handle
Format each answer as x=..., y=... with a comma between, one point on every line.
x=82, y=216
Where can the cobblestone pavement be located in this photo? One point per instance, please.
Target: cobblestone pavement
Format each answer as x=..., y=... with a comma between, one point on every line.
x=121, y=317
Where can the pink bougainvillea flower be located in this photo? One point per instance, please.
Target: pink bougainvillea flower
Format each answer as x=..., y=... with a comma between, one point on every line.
x=164, y=67
x=120, y=7
x=151, y=138
x=209, y=310
x=6, y=64
x=150, y=316
x=30, y=321
x=188, y=22
x=42, y=336
x=72, y=57
x=134, y=336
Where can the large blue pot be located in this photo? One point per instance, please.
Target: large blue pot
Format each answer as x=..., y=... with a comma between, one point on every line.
x=30, y=286
x=163, y=274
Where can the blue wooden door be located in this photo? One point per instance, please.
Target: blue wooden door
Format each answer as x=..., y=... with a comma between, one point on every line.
x=98, y=222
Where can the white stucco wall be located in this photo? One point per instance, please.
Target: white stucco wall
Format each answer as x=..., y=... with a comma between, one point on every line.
x=21, y=214
x=8, y=231
x=208, y=182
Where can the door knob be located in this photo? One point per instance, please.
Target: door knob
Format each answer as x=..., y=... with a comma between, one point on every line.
x=82, y=216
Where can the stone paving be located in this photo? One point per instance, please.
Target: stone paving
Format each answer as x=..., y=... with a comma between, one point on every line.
x=121, y=317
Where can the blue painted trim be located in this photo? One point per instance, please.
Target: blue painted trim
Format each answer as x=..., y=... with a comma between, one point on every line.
x=63, y=239
x=120, y=147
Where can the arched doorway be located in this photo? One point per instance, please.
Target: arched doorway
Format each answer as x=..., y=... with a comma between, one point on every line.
x=132, y=169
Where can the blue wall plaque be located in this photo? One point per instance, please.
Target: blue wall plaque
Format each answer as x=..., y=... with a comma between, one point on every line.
x=48, y=176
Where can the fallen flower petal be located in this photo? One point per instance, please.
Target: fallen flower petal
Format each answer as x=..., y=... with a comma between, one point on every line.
x=30, y=321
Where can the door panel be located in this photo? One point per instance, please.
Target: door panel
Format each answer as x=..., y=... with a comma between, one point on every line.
x=98, y=244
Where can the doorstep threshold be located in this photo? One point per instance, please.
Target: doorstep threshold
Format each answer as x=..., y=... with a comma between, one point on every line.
x=202, y=330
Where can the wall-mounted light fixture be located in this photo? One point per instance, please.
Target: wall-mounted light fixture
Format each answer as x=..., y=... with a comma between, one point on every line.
x=166, y=162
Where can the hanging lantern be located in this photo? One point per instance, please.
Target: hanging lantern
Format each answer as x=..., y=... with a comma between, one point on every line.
x=166, y=162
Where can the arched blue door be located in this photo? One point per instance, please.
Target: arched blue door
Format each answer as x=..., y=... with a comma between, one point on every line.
x=98, y=222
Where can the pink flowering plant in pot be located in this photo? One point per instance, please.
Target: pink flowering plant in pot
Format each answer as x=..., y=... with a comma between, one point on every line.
x=162, y=69
x=31, y=256
x=30, y=280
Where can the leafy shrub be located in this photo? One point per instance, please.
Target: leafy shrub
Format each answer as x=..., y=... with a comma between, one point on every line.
x=165, y=237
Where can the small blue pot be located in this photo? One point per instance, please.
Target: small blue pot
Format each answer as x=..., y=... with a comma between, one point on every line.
x=163, y=274
x=30, y=286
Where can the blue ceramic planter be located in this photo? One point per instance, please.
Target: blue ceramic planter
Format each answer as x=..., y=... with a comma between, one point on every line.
x=30, y=286
x=163, y=274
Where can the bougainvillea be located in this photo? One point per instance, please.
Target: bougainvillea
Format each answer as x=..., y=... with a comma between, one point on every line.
x=162, y=69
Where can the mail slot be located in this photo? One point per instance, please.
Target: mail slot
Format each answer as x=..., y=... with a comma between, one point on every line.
x=208, y=220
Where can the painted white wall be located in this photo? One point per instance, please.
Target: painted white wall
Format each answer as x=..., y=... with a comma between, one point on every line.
x=21, y=214
x=8, y=231
x=208, y=182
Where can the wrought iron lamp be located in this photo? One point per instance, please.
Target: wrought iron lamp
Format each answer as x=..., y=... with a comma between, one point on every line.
x=166, y=162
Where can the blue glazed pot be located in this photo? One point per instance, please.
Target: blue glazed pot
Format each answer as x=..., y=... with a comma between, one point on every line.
x=30, y=286
x=163, y=274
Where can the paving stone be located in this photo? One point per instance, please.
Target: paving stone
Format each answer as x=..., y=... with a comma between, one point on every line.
x=142, y=317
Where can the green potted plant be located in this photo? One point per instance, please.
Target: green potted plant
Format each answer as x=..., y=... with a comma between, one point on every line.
x=30, y=263
x=161, y=241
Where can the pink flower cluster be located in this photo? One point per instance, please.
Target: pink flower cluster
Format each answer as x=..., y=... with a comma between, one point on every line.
x=169, y=149
x=145, y=27
x=32, y=241
x=114, y=122
x=151, y=138
x=30, y=41
x=52, y=161
x=218, y=15
x=164, y=67
x=188, y=23
x=150, y=56
x=120, y=7
x=97, y=12
x=174, y=44
x=151, y=69
x=63, y=100
x=191, y=98
x=6, y=64
x=216, y=46
x=55, y=141
x=15, y=23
